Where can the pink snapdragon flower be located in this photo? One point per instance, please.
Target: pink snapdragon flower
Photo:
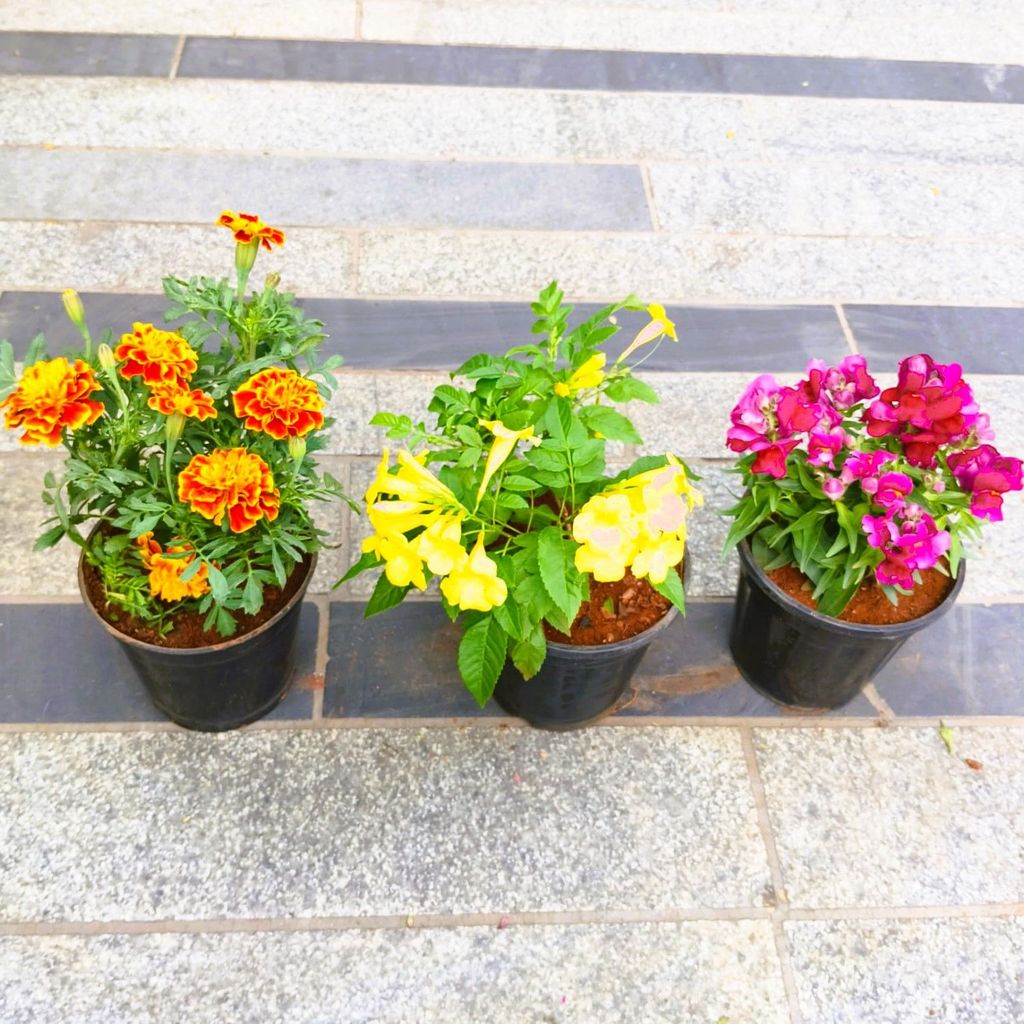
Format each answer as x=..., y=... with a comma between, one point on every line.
x=764, y=420
x=892, y=491
x=823, y=446
x=930, y=406
x=909, y=546
x=986, y=476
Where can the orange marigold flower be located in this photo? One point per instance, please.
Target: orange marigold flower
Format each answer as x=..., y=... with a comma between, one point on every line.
x=232, y=481
x=165, y=573
x=281, y=403
x=52, y=395
x=247, y=227
x=158, y=357
x=170, y=399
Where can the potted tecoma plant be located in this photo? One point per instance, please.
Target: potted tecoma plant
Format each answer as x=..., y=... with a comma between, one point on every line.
x=188, y=482
x=560, y=570
x=856, y=506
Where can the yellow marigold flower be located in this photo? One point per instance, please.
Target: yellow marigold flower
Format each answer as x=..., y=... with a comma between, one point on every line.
x=474, y=582
x=230, y=481
x=52, y=395
x=588, y=375
x=165, y=573
x=279, y=402
x=607, y=530
x=247, y=228
x=158, y=357
x=170, y=399
x=505, y=441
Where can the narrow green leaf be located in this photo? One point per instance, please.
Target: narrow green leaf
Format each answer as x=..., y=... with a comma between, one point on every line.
x=946, y=735
x=218, y=583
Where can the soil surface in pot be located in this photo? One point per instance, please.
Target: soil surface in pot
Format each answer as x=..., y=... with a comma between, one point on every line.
x=615, y=611
x=187, y=630
x=869, y=606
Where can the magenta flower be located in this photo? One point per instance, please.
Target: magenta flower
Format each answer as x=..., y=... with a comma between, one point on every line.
x=834, y=487
x=880, y=530
x=865, y=464
x=930, y=406
x=756, y=407
x=771, y=458
x=797, y=415
x=824, y=446
x=892, y=491
x=986, y=476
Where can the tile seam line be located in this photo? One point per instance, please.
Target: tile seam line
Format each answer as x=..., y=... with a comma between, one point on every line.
x=496, y=919
x=764, y=824
x=511, y=298
x=720, y=722
x=751, y=98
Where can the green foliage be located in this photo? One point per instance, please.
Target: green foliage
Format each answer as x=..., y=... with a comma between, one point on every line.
x=119, y=478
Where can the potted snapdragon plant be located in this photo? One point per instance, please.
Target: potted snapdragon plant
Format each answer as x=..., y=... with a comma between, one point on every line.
x=559, y=570
x=856, y=507
x=188, y=482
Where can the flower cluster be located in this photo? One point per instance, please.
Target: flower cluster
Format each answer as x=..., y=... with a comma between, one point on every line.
x=188, y=478
x=165, y=570
x=904, y=466
x=518, y=514
x=51, y=397
x=637, y=524
x=420, y=504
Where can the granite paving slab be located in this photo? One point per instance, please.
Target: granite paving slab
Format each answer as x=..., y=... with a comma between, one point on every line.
x=694, y=973
x=942, y=970
x=79, y=53
x=110, y=185
x=888, y=817
x=308, y=823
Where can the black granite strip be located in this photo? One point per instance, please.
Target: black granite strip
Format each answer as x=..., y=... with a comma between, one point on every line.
x=80, y=53
x=58, y=665
x=402, y=665
x=401, y=334
x=983, y=339
x=969, y=663
x=533, y=68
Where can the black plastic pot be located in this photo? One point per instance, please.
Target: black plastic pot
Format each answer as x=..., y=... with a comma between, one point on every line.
x=577, y=684
x=222, y=686
x=802, y=659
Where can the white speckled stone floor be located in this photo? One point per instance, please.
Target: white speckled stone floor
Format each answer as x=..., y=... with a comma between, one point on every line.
x=698, y=863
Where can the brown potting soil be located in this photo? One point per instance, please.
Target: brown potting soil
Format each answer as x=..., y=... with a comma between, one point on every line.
x=869, y=605
x=187, y=630
x=614, y=611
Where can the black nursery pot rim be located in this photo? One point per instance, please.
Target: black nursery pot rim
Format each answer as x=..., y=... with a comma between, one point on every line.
x=838, y=626
x=185, y=652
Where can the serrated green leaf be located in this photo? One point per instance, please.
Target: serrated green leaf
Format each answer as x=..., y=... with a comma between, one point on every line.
x=672, y=589
x=252, y=596
x=481, y=657
x=611, y=424
x=628, y=389
x=556, y=563
x=385, y=595
x=529, y=653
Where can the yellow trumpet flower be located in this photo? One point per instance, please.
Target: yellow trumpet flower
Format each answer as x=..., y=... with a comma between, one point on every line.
x=474, y=582
x=505, y=441
x=659, y=325
x=588, y=375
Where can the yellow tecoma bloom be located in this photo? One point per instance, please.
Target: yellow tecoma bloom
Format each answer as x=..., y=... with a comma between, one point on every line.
x=474, y=582
x=607, y=529
x=588, y=375
x=439, y=544
x=505, y=441
x=659, y=325
x=402, y=563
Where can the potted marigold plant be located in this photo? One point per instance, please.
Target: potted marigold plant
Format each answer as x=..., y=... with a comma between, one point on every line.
x=188, y=482
x=851, y=529
x=560, y=570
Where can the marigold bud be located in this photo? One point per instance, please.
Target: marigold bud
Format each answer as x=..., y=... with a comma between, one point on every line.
x=73, y=307
x=272, y=281
x=296, y=447
x=245, y=256
x=105, y=355
x=174, y=426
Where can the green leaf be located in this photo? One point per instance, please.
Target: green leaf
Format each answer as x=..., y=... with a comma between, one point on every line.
x=366, y=561
x=36, y=350
x=481, y=657
x=528, y=654
x=385, y=595
x=48, y=539
x=8, y=378
x=672, y=588
x=555, y=559
x=252, y=596
x=218, y=583
x=600, y=419
x=627, y=389
x=946, y=735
